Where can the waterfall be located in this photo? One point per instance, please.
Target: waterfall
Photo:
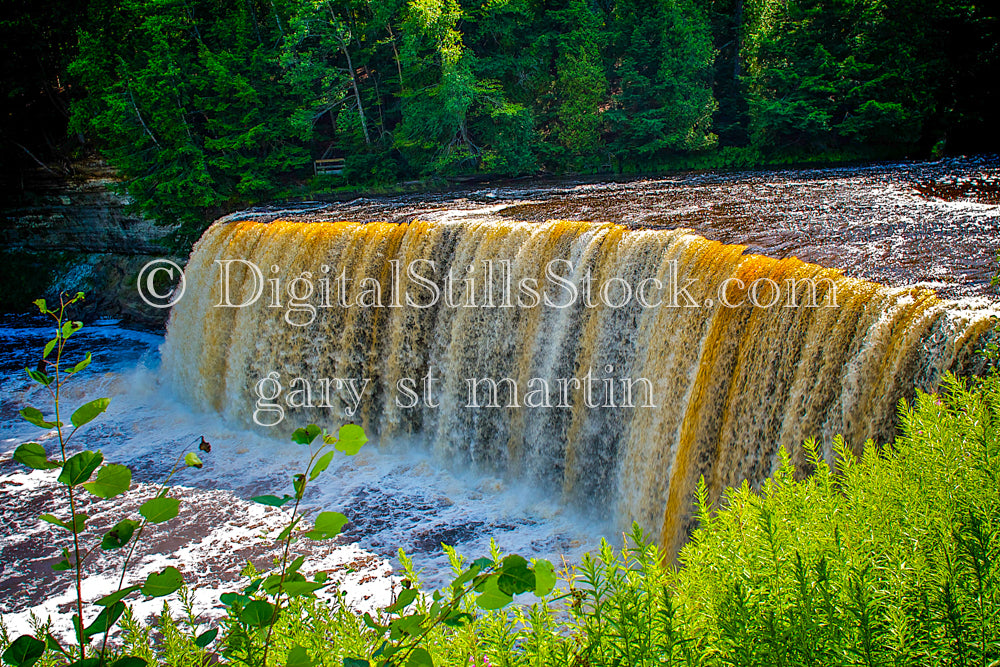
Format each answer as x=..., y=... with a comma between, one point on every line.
x=703, y=384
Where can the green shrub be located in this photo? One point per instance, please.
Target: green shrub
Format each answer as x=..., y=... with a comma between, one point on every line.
x=888, y=560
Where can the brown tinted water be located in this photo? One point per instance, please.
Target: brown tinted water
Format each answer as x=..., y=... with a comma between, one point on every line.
x=932, y=223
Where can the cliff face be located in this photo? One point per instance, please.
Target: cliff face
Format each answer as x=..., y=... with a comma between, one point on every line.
x=75, y=233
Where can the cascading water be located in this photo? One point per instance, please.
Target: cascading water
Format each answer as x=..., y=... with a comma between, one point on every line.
x=716, y=388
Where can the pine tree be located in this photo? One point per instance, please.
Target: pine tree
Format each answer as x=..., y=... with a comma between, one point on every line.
x=662, y=56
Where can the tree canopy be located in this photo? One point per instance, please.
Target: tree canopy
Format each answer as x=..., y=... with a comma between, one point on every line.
x=204, y=106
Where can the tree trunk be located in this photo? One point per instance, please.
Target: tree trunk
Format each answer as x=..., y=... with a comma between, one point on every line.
x=395, y=52
x=357, y=93
x=350, y=67
x=737, y=30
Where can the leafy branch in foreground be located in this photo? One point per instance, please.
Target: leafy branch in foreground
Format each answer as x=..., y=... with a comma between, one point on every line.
x=76, y=475
x=494, y=581
x=405, y=625
x=253, y=629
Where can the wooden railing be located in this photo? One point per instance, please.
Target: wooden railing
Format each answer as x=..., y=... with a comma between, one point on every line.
x=333, y=167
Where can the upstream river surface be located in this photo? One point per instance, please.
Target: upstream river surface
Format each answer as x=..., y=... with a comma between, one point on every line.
x=931, y=223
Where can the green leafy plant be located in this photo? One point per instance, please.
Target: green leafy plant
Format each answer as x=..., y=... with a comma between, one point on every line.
x=412, y=618
x=404, y=626
x=79, y=472
x=251, y=634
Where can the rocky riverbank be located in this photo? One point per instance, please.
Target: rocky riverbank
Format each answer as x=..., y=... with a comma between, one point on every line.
x=76, y=233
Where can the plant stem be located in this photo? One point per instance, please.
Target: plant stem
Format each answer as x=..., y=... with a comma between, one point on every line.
x=299, y=494
x=134, y=543
x=440, y=618
x=77, y=565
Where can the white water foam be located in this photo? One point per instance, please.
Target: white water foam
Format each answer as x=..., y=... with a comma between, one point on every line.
x=393, y=500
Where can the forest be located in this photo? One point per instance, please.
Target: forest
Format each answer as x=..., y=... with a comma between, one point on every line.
x=204, y=106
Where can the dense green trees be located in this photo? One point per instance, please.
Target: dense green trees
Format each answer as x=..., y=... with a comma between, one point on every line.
x=208, y=105
x=663, y=54
x=824, y=74
x=193, y=103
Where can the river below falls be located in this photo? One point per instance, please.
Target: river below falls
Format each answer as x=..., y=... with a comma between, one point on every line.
x=393, y=501
x=933, y=223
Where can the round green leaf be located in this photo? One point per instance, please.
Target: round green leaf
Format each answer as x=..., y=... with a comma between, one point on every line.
x=35, y=416
x=272, y=501
x=321, y=465
x=298, y=657
x=305, y=436
x=106, y=619
x=206, y=638
x=80, y=467
x=159, y=509
x=406, y=596
x=492, y=597
x=112, y=480
x=296, y=589
x=469, y=574
x=419, y=657
x=76, y=525
x=70, y=327
x=79, y=367
x=545, y=577
x=407, y=625
x=119, y=535
x=515, y=577
x=482, y=563
x=115, y=597
x=327, y=525
x=33, y=455
x=350, y=439
x=24, y=651
x=457, y=619
x=39, y=377
x=88, y=411
x=163, y=583
x=258, y=613
x=129, y=661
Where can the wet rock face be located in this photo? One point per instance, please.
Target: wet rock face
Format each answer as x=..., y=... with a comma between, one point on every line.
x=82, y=213
x=77, y=234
